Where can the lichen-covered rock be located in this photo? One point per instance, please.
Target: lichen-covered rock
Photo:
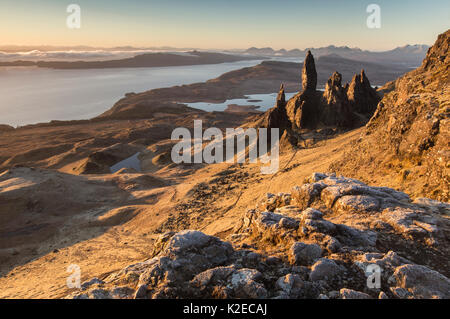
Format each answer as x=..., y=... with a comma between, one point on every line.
x=268, y=220
x=433, y=206
x=292, y=286
x=412, y=223
x=181, y=257
x=306, y=194
x=353, y=294
x=422, y=282
x=274, y=201
x=141, y=292
x=386, y=262
x=356, y=237
x=311, y=213
x=230, y=282
x=305, y=254
x=357, y=203
x=326, y=269
x=245, y=284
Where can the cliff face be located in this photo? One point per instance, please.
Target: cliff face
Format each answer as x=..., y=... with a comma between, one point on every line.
x=408, y=136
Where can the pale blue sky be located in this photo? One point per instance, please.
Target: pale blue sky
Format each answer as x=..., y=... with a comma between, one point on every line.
x=224, y=24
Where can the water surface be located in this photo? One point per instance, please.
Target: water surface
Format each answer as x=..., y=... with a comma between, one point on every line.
x=264, y=101
x=32, y=95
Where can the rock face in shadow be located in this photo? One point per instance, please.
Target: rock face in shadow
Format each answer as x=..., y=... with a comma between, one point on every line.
x=337, y=107
x=407, y=139
x=277, y=118
x=362, y=97
x=309, y=73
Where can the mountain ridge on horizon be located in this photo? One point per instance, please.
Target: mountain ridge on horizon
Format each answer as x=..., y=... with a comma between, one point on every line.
x=410, y=55
x=19, y=48
x=344, y=47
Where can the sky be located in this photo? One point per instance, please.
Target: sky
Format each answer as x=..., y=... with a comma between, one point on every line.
x=225, y=24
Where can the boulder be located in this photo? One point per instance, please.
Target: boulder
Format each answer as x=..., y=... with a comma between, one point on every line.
x=357, y=204
x=292, y=286
x=326, y=269
x=230, y=282
x=304, y=254
x=306, y=194
x=353, y=294
x=422, y=282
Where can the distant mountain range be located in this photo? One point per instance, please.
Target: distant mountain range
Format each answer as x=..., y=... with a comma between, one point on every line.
x=127, y=56
x=409, y=54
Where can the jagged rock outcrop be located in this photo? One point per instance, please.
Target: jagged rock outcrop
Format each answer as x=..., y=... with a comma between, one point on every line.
x=337, y=107
x=362, y=98
x=407, y=139
x=304, y=244
x=277, y=116
x=281, y=98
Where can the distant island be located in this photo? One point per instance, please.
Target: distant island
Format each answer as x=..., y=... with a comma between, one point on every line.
x=143, y=60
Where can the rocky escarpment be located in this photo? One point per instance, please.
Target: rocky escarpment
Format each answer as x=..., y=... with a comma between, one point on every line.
x=338, y=106
x=319, y=241
x=407, y=139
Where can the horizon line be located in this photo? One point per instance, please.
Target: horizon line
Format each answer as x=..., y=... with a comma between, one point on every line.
x=166, y=47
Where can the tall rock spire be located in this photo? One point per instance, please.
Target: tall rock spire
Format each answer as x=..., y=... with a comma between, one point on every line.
x=276, y=117
x=309, y=73
x=281, y=98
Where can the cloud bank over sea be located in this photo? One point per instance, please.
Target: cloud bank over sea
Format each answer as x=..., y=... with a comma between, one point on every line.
x=72, y=55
